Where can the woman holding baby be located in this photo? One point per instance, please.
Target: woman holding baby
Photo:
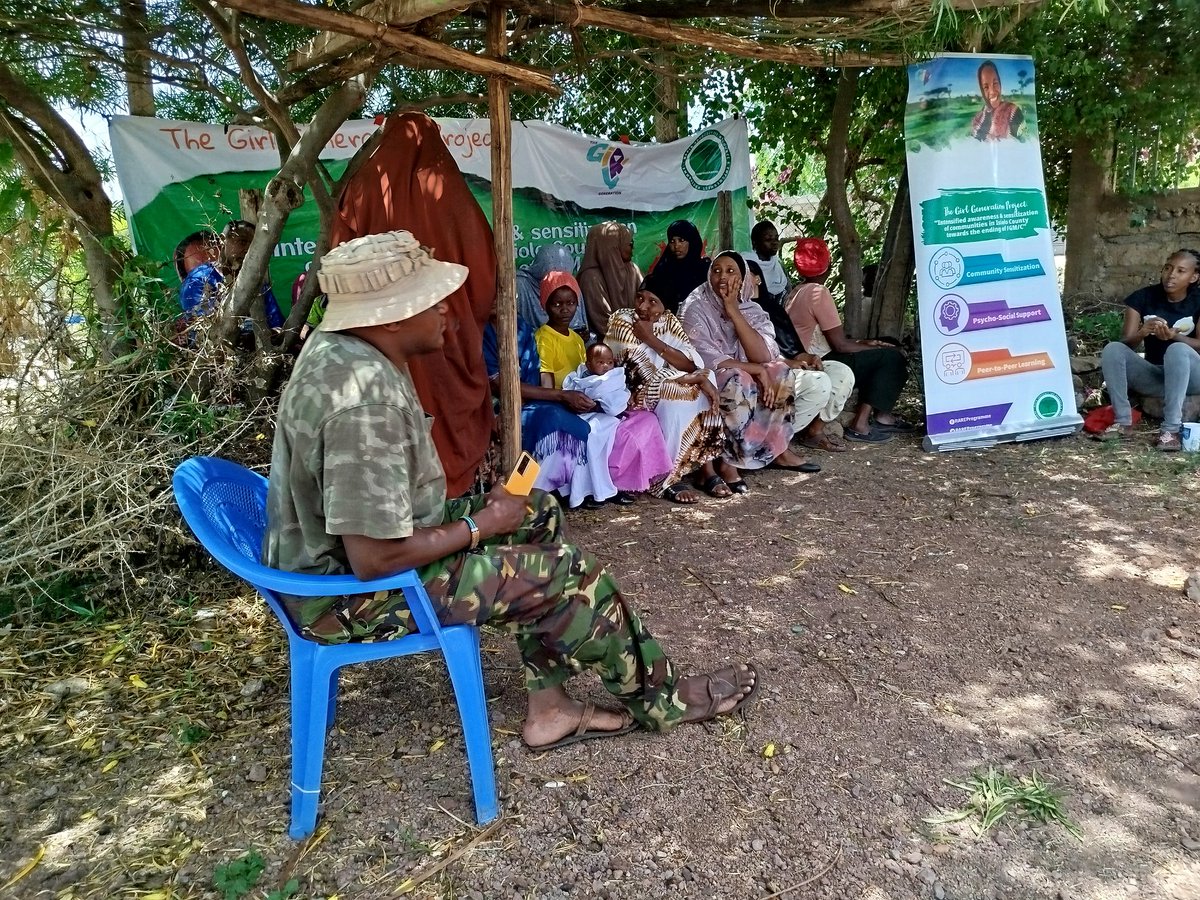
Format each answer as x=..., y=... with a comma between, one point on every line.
x=626, y=452
x=666, y=375
x=1162, y=317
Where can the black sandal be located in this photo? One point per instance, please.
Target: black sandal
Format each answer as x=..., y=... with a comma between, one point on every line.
x=739, y=486
x=672, y=493
x=712, y=483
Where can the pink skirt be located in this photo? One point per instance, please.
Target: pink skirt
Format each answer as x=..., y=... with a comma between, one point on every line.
x=639, y=453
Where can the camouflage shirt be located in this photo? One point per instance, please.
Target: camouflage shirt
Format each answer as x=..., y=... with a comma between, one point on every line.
x=352, y=455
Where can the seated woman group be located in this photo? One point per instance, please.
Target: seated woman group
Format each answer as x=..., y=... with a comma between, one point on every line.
x=706, y=394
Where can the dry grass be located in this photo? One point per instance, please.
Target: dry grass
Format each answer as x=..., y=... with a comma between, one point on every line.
x=86, y=455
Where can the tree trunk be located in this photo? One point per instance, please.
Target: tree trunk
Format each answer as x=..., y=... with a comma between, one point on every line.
x=139, y=82
x=666, y=96
x=69, y=176
x=893, y=281
x=1090, y=162
x=284, y=193
x=327, y=206
x=500, y=116
x=836, y=173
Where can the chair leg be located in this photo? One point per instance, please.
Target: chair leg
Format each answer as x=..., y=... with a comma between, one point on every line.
x=310, y=708
x=466, y=675
x=331, y=716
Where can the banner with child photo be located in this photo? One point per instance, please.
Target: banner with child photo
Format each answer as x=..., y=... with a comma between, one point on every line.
x=993, y=335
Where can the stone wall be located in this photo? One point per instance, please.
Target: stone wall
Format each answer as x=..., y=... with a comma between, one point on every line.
x=1134, y=238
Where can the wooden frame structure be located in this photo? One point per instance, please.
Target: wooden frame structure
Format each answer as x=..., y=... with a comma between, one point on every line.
x=790, y=32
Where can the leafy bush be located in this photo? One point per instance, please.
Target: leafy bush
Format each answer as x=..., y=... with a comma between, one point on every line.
x=87, y=448
x=1094, y=330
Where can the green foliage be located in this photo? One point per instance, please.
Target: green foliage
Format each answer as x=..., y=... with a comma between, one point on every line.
x=237, y=878
x=192, y=733
x=288, y=891
x=789, y=109
x=1123, y=75
x=1097, y=329
x=994, y=795
x=62, y=597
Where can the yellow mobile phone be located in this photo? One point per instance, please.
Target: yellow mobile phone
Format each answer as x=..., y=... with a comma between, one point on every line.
x=524, y=474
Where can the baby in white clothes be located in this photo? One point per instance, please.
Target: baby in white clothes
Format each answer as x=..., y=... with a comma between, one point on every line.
x=604, y=382
x=601, y=380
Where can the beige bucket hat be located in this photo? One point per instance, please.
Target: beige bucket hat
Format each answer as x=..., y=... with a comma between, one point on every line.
x=383, y=278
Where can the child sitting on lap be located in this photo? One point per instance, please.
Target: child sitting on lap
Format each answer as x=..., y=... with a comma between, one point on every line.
x=602, y=381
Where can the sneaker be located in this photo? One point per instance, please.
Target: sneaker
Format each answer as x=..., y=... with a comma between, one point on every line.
x=1115, y=432
x=900, y=426
x=874, y=436
x=1168, y=442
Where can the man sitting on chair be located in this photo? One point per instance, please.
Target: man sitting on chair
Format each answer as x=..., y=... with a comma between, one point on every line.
x=356, y=486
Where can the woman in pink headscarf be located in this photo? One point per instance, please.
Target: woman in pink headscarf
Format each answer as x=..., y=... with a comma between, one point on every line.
x=621, y=462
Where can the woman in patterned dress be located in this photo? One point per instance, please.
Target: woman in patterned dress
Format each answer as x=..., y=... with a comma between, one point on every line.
x=666, y=375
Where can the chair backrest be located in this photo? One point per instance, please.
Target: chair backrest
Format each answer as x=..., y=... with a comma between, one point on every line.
x=226, y=506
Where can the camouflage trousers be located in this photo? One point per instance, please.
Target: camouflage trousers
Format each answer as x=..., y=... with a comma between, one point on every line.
x=564, y=609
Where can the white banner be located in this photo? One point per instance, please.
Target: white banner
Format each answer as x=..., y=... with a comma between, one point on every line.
x=178, y=177
x=992, y=331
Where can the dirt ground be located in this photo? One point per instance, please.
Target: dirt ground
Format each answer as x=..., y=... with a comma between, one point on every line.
x=916, y=618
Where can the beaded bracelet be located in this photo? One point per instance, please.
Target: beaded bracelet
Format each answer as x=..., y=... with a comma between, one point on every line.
x=474, y=531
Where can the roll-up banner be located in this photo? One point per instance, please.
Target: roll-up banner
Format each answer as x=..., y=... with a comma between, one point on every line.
x=179, y=177
x=993, y=337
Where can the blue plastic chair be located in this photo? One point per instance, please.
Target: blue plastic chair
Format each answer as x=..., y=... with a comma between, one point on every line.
x=226, y=507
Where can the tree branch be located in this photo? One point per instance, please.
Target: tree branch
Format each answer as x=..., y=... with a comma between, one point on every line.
x=443, y=55
x=283, y=194
x=790, y=9
x=24, y=100
x=671, y=32
x=231, y=33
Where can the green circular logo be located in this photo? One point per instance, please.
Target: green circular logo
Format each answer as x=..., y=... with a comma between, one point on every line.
x=707, y=161
x=1048, y=406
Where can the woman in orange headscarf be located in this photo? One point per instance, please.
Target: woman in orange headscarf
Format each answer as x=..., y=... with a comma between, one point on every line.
x=412, y=183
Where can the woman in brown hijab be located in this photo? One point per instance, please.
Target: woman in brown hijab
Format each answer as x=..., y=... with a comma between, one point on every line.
x=411, y=183
x=608, y=276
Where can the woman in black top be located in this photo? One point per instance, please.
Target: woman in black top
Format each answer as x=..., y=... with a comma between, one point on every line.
x=1163, y=316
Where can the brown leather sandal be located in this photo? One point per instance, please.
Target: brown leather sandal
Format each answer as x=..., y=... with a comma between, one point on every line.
x=582, y=733
x=716, y=698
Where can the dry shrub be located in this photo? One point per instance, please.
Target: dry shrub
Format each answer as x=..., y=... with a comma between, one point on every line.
x=87, y=518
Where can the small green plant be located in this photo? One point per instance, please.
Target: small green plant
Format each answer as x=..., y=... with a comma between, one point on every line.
x=191, y=733
x=236, y=879
x=286, y=892
x=995, y=794
x=1099, y=328
x=408, y=839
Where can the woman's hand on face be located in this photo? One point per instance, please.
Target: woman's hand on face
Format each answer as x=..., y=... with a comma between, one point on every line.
x=643, y=330
x=578, y=402
x=731, y=296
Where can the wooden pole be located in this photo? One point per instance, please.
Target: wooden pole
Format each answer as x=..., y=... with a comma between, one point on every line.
x=671, y=32
x=433, y=52
x=725, y=220
x=500, y=114
x=782, y=10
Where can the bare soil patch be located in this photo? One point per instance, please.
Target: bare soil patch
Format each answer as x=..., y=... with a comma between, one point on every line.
x=917, y=618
